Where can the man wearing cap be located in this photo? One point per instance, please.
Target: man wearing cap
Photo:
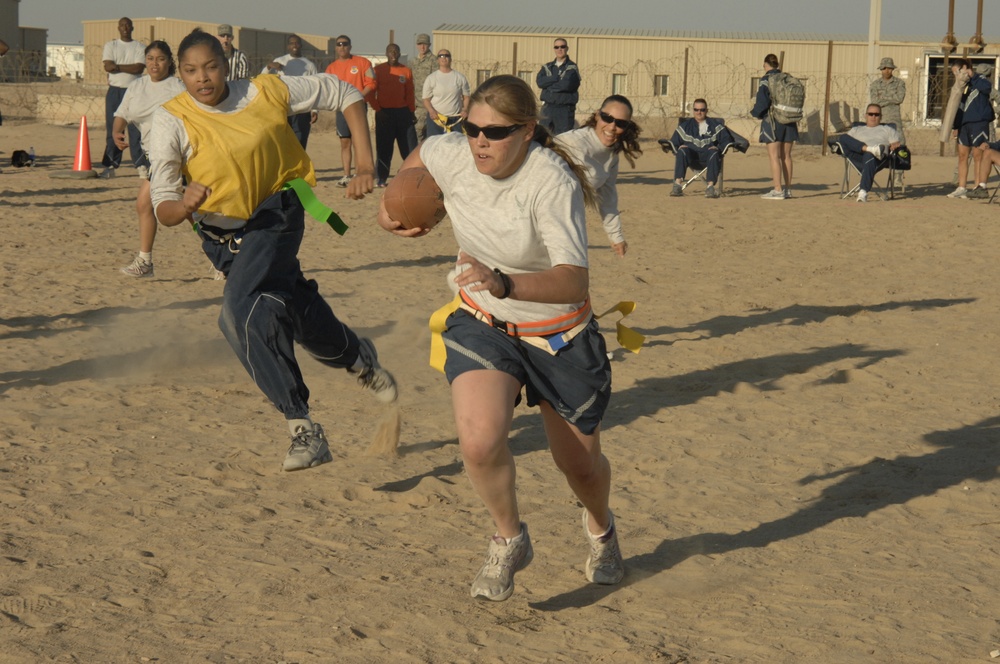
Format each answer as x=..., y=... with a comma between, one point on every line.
x=559, y=81
x=889, y=91
x=422, y=66
x=125, y=61
x=239, y=67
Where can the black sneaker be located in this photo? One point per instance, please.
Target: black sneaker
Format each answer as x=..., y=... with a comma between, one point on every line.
x=677, y=190
x=978, y=192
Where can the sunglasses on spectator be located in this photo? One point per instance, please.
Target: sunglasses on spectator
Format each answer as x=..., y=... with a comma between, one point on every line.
x=444, y=55
x=491, y=133
x=700, y=110
x=343, y=43
x=610, y=119
x=875, y=115
x=561, y=48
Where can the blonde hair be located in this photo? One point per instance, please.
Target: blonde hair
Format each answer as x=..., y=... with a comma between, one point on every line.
x=512, y=98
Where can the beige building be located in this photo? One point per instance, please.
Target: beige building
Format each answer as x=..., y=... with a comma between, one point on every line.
x=261, y=46
x=662, y=71
x=26, y=59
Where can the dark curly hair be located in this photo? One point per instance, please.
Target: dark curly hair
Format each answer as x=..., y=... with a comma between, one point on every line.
x=628, y=142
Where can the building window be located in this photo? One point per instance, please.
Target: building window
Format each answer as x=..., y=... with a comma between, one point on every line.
x=754, y=84
x=660, y=82
x=619, y=84
x=482, y=75
x=526, y=76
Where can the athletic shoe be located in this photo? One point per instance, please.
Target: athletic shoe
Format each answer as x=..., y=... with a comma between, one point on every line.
x=308, y=449
x=604, y=564
x=143, y=172
x=711, y=191
x=373, y=377
x=961, y=192
x=677, y=190
x=107, y=173
x=788, y=193
x=138, y=268
x=344, y=181
x=774, y=195
x=875, y=151
x=979, y=192
x=495, y=580
x=862, y=196
x=381, y=184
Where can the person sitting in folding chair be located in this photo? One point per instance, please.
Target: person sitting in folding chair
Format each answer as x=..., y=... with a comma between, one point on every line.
x=699, y=142
x=868, y=147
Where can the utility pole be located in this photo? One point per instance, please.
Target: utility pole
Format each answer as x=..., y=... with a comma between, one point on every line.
x=874, y=33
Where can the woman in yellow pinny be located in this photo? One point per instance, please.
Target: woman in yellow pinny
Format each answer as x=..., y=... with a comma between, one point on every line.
x=231, y=142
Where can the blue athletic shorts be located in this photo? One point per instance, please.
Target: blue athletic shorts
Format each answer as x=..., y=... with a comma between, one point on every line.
x=974, y=134
x=780, y=133
x=576, y=381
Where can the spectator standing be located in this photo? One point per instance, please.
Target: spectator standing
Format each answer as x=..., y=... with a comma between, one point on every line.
x=446, y=97
x=972, y=128
x=357, y=71
x=560, y=82
x=422, y=66
x=239, y=66
x=293, y=64
x=394, y=105
x=124, y=61
x=778, y=137
x=889, y=91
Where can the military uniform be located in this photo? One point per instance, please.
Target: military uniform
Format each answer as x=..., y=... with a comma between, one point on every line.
x=421, y=70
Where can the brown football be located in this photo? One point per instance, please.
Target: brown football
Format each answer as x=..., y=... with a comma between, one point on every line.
x=413, y=199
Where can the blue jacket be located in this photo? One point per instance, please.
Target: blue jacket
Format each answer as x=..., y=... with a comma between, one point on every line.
x=688, y=134
x=975, y=106
x=559, y=84
x=762, y=103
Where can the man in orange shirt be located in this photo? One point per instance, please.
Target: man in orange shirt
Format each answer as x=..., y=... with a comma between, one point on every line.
x=394, y=105
x=357, y=71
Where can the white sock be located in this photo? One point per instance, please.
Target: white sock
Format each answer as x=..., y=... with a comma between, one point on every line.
x=295, y=424
x=146, y=256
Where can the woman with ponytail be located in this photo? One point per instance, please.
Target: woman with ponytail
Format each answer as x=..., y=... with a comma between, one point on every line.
x=516, y=202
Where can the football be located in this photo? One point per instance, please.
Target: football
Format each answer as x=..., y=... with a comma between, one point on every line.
x=413, y=199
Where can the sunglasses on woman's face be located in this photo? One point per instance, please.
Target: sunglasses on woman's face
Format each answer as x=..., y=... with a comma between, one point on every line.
x=491, y=133
x=610, y=119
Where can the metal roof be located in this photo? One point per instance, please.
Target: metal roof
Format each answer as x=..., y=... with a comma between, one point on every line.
x=691, y=34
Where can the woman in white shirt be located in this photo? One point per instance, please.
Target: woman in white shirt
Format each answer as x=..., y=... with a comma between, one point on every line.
x=596, y=146
x=516, y=204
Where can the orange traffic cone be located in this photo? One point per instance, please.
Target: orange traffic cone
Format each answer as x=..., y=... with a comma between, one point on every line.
x=81, y=163
x=82, y=160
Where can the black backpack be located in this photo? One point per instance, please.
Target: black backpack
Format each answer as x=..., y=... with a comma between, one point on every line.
x=20, y=159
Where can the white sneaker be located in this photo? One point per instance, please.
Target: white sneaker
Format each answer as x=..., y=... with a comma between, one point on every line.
x=143, y=171
x=604, y=563
x=138, y=268
x=862, y=196
x=495, y=580
x=774, y=195
x=961, y=192
x=875, y=151
x=344, y=181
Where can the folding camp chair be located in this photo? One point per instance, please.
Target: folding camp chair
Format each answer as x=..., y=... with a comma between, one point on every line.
x=892, y=163
x=739, y=144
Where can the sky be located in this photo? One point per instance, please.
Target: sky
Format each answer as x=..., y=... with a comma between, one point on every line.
x=369, y=28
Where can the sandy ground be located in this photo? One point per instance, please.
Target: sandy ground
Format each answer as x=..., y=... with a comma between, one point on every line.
x=805, y=452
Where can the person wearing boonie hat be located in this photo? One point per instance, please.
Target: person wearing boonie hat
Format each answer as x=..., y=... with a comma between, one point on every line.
x=239, y=66
x=889, y=91
x=422, y=65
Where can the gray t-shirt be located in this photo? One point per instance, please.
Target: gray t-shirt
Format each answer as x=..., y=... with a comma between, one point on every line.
x=601, y=166
x=446, y=91
x=528, y=222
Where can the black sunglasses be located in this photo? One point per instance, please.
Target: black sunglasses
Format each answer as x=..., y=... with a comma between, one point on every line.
x=491, y=133
x=875, y=115
x=700, y=110
x=343, y=43
x=444, y=55
x=621, y=124
x=561, y=48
